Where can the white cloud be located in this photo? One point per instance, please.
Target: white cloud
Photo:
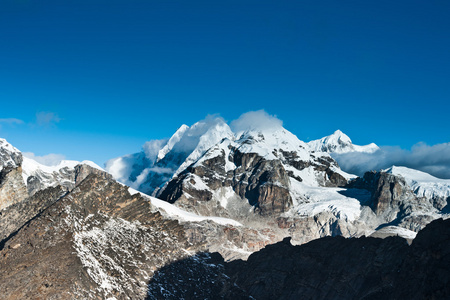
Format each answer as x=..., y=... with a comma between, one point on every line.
x=45, y=118
x=151, y=148
x=11, y=121
x=255, y=120
x=431, y=159
x=51, y=159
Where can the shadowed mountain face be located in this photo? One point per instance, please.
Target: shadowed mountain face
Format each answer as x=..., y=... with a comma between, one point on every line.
x=327, y=268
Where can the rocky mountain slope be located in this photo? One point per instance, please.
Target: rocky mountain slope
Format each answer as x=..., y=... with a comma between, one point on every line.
x=95, y=237
x=80, y=234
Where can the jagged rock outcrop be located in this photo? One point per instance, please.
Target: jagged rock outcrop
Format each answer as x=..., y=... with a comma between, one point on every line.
x=327, y=268
x=393, y=200
x=12, y=188
x=424, y=185
x=264, y=183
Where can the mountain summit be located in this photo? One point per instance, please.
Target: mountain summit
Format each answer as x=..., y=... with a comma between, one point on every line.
x=339, y=142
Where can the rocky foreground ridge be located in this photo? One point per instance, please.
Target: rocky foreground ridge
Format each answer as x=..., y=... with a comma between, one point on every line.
x=327, y=268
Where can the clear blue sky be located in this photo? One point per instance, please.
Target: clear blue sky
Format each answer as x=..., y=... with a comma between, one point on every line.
x=96, y=79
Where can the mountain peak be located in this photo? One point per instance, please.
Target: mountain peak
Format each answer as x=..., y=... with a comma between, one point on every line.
x=339, y=142
x=339, y=137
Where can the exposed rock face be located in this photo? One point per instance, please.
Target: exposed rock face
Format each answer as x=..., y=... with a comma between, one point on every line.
x=393, y=200
x=388, y=192
x=264, y=183
x=261, y=180
x=82, y=171
x=12, y=188
x=328, y=268
x=436, y=190
x=15, y=216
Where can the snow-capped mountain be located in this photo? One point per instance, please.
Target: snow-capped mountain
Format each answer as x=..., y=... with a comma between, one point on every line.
x=267, y=171
x=339, y=142
x=261, y=167
x=210, y=161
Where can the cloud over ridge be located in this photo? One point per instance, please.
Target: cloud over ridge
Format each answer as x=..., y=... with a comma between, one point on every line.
x=431, y=159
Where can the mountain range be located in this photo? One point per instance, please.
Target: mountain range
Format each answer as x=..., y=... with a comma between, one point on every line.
x=203, y=201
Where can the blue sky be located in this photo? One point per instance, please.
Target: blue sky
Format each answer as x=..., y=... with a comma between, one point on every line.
x=96, y=79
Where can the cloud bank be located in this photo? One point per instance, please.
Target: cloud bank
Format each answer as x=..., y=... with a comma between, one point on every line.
x=51, y=159
x=431, y=159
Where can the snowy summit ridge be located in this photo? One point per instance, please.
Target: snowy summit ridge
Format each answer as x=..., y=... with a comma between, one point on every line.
x=162, y=160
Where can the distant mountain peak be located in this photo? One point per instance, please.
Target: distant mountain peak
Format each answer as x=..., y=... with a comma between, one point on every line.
x=339, y=142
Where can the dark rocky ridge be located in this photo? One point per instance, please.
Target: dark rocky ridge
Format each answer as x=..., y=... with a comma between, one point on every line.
x=327, y=268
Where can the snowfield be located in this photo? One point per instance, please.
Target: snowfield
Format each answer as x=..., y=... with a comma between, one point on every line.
x=174, y=212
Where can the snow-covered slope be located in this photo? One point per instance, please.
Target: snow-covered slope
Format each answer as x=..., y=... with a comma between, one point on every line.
x=174, y=212
x=339, y=142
